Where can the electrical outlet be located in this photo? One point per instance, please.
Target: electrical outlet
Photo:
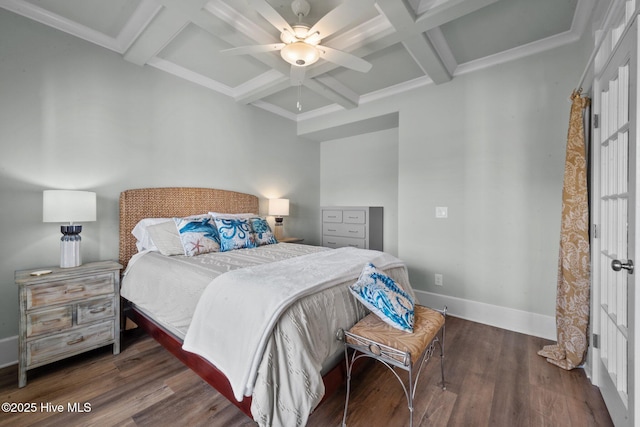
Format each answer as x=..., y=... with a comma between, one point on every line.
x=439, y=279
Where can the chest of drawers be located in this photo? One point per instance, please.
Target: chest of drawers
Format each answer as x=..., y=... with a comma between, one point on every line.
x=66, y=312
x=359, y=227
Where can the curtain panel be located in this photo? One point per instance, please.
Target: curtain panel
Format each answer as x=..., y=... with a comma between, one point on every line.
x=574, y=267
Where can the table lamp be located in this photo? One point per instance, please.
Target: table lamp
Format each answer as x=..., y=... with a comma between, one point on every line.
x=69, y=206
x=278, y=208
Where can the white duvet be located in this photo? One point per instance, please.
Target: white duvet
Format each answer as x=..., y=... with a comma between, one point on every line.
x=281, y=368
x=223, y=315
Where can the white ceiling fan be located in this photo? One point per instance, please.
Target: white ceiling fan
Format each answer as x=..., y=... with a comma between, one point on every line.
x=301, y=43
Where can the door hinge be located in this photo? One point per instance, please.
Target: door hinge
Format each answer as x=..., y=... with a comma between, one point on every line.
x=595, y=340
x=595, y=231
x=596, y=122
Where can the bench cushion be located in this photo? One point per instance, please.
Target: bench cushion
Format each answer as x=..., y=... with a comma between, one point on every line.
x=427, y=323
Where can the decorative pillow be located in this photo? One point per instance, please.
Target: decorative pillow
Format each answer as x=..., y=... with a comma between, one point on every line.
x=234, y=233
x=198, y=236
x=382, y=295
x=166, y=238
x=141, y=233
x=262, y=232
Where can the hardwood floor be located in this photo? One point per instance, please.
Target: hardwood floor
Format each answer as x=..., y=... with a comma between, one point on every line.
x=494, y=378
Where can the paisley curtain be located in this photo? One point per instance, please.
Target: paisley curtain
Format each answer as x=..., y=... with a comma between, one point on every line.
x=574, y=269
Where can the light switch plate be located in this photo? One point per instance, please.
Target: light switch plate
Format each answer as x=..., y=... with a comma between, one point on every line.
x=441, y=212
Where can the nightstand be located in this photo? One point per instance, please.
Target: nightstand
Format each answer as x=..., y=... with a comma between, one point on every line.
x=291, y=240
x=66, y=312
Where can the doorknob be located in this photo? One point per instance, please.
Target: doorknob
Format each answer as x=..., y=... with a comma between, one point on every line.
x=618, y=265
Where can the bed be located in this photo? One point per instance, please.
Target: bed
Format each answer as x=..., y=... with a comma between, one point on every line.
x=263, y=396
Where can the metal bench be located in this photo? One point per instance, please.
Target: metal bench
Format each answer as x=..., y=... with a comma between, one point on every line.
x=371, y=337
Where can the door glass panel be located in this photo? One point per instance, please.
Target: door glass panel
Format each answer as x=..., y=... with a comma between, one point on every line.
x=614, y=176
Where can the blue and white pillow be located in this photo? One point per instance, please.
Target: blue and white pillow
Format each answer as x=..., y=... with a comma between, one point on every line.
x=262, y=232
x=198, y=236
x=382, y=295
x=235, y=233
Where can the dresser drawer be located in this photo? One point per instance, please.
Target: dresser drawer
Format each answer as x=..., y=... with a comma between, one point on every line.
x=90, y=311
x=329, y=215
x=340, y=242
x=354, y=217
x=62, y=291
x=344, y=230
x=57, y=319
x=69, y=343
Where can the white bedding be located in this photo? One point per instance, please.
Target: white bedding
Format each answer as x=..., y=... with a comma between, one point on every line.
x=275, y=286
x=168, y=288
x=288, y=382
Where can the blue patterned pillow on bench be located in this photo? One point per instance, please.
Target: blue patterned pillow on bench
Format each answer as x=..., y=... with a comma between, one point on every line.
x=382, y=295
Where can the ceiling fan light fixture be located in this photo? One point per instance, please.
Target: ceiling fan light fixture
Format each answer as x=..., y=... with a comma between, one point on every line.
x=313, y=39
x=300, y=54
x=300, y=31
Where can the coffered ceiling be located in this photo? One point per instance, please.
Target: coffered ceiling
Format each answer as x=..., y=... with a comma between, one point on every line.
x=409, y=43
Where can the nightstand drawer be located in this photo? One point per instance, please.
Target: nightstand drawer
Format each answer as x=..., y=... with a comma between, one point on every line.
x=91, y=311
x=69, y=343
x=69, y=290
x=49, y=320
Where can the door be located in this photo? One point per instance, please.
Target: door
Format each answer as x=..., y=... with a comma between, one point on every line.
x=614, y=243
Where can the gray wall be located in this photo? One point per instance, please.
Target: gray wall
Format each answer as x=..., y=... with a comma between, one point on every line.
x=490, y=146
x=76, y=116
x=363, y=171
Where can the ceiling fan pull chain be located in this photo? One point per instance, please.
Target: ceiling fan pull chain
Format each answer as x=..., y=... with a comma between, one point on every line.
x=299, y=103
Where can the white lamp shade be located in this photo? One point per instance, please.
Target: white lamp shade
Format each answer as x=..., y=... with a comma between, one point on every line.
x=68, y=206
x=279, y=207
x=299, y=54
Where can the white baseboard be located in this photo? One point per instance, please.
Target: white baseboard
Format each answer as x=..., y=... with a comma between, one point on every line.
x=8, y=351
x=511, y=319
x=501, y=317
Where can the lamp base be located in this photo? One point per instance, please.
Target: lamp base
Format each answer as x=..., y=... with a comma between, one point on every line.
x=278, y=230
x=70, y=246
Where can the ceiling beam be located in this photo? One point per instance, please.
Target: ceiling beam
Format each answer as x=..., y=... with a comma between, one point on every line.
x=332, y=93
x=416, y=42
x=447, y=12
x=420, y=34
x=262, y=91
x=328, y=91
x=210, y=15
x=167, y=24
x=427, y=57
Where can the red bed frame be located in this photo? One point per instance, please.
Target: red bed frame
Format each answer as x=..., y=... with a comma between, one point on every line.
x=333, y=379
x=177, y=202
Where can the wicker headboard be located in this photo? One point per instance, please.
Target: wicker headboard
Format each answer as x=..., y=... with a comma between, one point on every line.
x=174, y=202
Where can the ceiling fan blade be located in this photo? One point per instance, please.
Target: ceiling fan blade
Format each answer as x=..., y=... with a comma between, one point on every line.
x=297, y=75
x=344, y=59
x=340, y=17
x=260, y=48
x=271, y=15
